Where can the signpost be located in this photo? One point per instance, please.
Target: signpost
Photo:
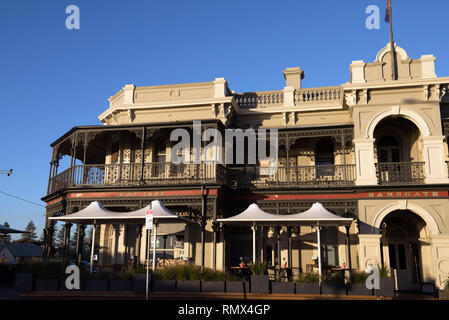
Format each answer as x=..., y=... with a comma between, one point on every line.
x=148, y=227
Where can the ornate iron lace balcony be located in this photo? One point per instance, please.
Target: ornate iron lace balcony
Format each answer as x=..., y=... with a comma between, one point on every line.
x=245, y=177
x=131, y=174
x=400, y=172
x=324, y=176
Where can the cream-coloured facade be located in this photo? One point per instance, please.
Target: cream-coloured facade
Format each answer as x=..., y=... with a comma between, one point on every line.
x=373, y=148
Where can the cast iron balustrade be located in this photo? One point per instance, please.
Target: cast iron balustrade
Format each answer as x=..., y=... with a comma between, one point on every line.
x=400, y=172
x=245, y=177
x=131, y=174
x=321, y=176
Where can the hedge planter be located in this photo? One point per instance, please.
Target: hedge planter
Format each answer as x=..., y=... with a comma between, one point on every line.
x=359, y=289
x=237, y=286
x=164, y=285
x=46, y=285
x=333, y=288
x=188, y=285
x=96, y=285
x=139, y=282
x=443, y=294
x=260, y=284
x=307, y=288
x=212, y=286
x=23, y=282
x=386, y=288
x=283, y=287
x=120, y=285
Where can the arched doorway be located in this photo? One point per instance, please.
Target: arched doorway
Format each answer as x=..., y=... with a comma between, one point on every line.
x=401, y=248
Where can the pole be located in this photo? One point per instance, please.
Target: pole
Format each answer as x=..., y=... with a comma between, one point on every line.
x=154, y=246
x=319, y=253
x=254, y=243
x=393, y=55
x=92, y=247
x=148, y=264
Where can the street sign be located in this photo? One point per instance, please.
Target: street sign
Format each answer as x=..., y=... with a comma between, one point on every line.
x=149, y=220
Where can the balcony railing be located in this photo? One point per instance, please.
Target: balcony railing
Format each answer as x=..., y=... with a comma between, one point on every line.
x=324, y=176
x=131, y=174
x=235, y=177
x=400, y=172
x=257, y=99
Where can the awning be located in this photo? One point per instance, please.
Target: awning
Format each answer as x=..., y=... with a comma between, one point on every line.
x=4, y=229
x=316, y=215
x=96, y=213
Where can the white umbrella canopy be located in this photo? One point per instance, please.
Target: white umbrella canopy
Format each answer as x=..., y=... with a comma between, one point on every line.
x=252, y=215
x=317, y=215
x=4, y=229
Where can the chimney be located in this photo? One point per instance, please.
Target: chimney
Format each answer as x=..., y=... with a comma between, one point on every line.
x=293, y=77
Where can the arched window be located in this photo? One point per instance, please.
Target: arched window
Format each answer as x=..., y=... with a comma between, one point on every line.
x=324, y=158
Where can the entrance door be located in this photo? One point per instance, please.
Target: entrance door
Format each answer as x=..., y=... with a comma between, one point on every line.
x=400, y=262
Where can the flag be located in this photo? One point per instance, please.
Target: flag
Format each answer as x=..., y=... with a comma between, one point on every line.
x=388, y=11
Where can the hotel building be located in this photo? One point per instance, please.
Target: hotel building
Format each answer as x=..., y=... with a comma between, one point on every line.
x=374, y=149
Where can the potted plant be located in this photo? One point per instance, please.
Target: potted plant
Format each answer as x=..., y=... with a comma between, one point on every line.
x=357, y=286
x=139, y=280
x=260, y=282
x=23, y=282
x=97, y=282
x=333, y=284
x=386, y=282
x=164, y=280
x=188, y=278
x=213, y=281
x=444, y=294
x=307, y=283
x=122, y=282
x=278, y=286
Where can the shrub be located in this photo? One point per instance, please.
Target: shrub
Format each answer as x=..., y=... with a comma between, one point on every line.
x=309, y=277
x=259, y=268
x=358, y=277
x=190, y=272
x=45, y=269
x=446, y=283
x=384, y=271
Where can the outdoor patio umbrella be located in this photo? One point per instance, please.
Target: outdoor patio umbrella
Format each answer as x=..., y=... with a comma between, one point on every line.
x=95, y=213
x=318, y=216
x=252, y=216
x=4, y=229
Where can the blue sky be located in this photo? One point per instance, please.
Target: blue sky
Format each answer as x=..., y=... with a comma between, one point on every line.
x=53, y=78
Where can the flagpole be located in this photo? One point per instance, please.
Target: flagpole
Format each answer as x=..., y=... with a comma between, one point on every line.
x=393, y=53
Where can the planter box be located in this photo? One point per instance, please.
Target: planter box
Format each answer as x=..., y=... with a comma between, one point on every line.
x=443, y=294
x=188, y=285
x=23, y=282
x=164, y=285
x=212, y=286
x=139, y=282
x=307, y=288
x=237, y=286
x=333, y=288
x=120, y=285
x=260, y=284
x=46, y=285
x=283, y=287
x=386, y=288
x=359, y=289
x=96, y=285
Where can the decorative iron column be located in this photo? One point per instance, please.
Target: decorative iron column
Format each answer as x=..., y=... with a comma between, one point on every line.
x=66, y=250
x=81, y=231
x=138, y=244
x=289, y=231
